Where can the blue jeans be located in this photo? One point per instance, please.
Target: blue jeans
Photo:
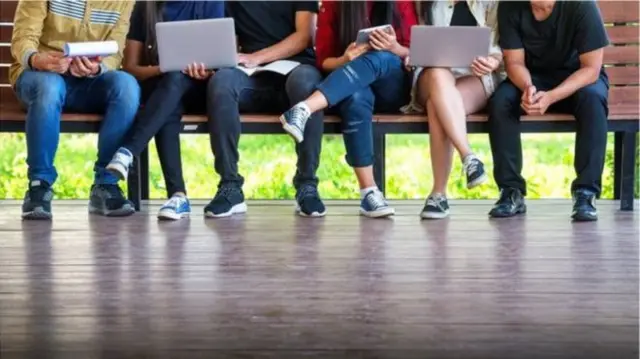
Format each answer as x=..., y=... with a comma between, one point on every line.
x=230, y=91
x=375, y=81
x=45, y=95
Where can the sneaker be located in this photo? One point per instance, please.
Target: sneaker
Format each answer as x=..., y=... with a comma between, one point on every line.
x=511, y=203
x=175, y=208
x=295, y=120
x=474, y=169
x=436, y=207
x=228, y=201
x=120, y=163
x=308, y=202
x=37, y=201
x=584, y=206
x=108, y=200
x=374, y=205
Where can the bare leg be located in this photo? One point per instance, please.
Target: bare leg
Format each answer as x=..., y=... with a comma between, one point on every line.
x=316, y=101
x=365, y=177
x=452, y=100
x=441, y=152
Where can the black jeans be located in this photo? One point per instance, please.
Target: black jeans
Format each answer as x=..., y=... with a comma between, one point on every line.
x=231, y=91
x=165, y=99
x=588, y=105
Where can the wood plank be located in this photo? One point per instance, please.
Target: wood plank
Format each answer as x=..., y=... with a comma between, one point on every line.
x=623, y=34
x=623, y=75
x=4, y=74
x=5, y=33
x=615, y=55
x=5, y=54
x=619, y=11
x=8, y=10
x=624, y=95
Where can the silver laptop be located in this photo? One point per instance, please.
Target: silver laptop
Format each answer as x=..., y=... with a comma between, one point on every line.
x=448, y=46
x=211, y=42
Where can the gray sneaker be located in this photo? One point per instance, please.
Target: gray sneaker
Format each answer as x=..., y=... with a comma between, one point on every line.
x=108, y=200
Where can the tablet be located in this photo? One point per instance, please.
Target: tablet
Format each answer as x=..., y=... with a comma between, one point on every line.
x=363, y=35
x=448, y=46
x=211, y=42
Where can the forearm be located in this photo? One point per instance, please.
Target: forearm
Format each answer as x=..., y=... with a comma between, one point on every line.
x=519, y=76
x=401, y=51
x=290, y=46
x=585, y=76
x=332, y=63
x=142, y=73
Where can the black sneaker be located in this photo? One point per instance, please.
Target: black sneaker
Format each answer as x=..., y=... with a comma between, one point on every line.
x=309, y=203
x=474, y=169
x=511, y=203
x=228, y=201
x=584, y=206
x=108, y=200
x=436, y=207
x=37, y=201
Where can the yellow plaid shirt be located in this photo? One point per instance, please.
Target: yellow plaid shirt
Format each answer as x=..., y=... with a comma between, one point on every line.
x=47, y=25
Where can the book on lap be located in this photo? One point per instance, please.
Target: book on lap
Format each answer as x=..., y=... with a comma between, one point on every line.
x=282, y=67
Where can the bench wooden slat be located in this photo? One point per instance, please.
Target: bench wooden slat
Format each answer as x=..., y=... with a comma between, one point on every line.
x=7, y=10
x=614, y=55
x=623, y=34
x=619, y=11
x=5, y=33
x=623, y=75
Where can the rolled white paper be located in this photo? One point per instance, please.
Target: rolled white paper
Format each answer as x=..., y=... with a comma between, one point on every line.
x=90, y=49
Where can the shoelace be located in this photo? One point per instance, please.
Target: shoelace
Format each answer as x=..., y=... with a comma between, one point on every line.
x=434, y=201
x=298, y=116
x=113, y=190
x=471, y=166
x=307, y=191
x=505, y=196
x=224, y=192
x=174, y=202
x=376, y=200
x=582, y=199
x=37, y=193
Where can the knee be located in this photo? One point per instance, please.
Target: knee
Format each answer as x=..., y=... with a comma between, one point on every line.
x=42, y=89
x=505, y=98
x=381, y=57
x=592, y=95
x=221, y=83
x=302, y=82
x=123, y=90
x=360, y=101
x=176, y=79
x=435, y=78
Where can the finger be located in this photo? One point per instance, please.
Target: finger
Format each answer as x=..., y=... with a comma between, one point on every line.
x=203, y=71
x=537, y=96
x=376, y=44
x=82, y=69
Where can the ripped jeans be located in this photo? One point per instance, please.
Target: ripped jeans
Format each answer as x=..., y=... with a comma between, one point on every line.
x=375, y=81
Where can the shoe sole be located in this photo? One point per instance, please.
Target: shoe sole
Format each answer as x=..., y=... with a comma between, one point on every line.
x=378, y=214
x=118, y=171
x=292, y=131
x=519, y=211
x=164, y=216
x=38, y=214
x=312, y=215
x=587, y=218
x=237, y=209
x=432, y=215
x=120, y=212
x=478, y=181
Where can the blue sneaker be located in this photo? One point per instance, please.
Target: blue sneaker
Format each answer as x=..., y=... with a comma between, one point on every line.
x=37, y=201
x=584, y=206
x=374, y=205
x=120, y=163
x=295, y=120
x=175, y=208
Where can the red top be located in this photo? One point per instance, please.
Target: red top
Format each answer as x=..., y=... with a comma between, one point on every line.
x=327, y=36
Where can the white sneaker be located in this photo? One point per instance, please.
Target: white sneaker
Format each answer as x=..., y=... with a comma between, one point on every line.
x=120, y=163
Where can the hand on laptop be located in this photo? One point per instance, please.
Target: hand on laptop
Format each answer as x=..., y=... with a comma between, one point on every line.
x=197, y=71
x=84, y=66
x=50, y=61
x=249, y=60
x=484, y=65
x=353, y=51
x=382, y=40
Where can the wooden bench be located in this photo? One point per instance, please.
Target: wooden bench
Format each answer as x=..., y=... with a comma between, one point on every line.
x=621, y=60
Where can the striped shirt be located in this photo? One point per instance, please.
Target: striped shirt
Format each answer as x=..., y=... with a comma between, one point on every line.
x=47, y=25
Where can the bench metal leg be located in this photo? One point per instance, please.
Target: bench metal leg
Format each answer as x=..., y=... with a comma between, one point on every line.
x=144, y=174
x=133, y=183
x=379, y=150
x=627, y=170
x=617, y=164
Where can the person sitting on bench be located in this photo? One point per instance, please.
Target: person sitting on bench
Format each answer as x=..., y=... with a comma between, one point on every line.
x=553, y=52
x=363, y=77
x=165, y=96
x=47, y=83
x=267, y=31
x=449, y=95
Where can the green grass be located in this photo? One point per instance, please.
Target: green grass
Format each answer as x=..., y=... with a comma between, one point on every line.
x=268, y=164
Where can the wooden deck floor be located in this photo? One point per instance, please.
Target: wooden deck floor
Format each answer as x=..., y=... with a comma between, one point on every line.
x=271, y=285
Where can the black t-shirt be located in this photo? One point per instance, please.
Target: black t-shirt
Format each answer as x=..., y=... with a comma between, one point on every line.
x=462, y=15
x=137, y=25
x=552, y=45
x=261, y=24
